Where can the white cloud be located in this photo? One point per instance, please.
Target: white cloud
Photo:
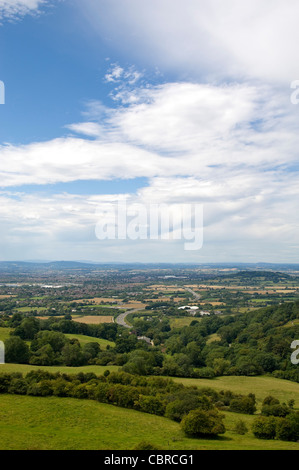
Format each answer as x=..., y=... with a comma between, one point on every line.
x=203, y=38
x=16, y=8
x=228, y=147
x=176, y=129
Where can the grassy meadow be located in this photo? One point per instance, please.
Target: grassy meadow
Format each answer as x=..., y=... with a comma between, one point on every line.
x=86, y=424
x=89, y=425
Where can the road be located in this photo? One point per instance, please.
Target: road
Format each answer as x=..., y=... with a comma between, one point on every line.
x=195, y=295
x=121, y=319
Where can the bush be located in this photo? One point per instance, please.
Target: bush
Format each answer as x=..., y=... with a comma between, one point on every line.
x=18, y=386
x=288, y=428
x=264, y=427
x=240, y=427
x=275, y=410
x=149, y=404
x=243, y=405
x=200, y=423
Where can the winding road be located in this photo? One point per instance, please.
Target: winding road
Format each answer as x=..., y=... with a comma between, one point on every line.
x=121, y=319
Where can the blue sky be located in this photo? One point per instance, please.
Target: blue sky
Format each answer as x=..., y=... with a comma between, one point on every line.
x=157, y=102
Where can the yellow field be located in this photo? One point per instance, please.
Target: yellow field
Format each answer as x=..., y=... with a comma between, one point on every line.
x=133, y=304
x=94, y=320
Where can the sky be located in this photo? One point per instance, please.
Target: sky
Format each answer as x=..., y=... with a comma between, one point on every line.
x=165, y=103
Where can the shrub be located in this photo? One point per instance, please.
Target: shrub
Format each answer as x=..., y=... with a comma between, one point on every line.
x=288, y=428
x=18, y=386
x=149, y=404
x=264, y=427
x=240, y=427
x=200, y=423
x=275, y=410
x=243, y=405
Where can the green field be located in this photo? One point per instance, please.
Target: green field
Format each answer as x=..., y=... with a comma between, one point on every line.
x=180, y=322
x=5, y=334
x=261, y=386
x=51, y=423
x=25, y=368
x=90, y=339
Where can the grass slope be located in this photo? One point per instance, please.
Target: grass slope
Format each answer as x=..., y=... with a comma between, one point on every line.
x=51, y=423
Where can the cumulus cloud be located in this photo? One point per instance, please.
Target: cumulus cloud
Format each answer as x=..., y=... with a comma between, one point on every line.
x=175, y=129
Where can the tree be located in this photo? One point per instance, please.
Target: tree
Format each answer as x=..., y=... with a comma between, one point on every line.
x=28, y=328
x=91, y=350
x=45, y=356
x=243, y=405
x=72, y=355
x=200, y=423
x=55, y=339
x=149, y=404
x=221, y=366
x=178, y=408
x=16, y=350
x=264, y=427
x=287, y=429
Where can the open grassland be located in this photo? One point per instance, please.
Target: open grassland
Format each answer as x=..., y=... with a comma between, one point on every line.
x=261, y=386
x=52, y=423
x=25, y=368
x=90, y=339
x=5, y=333
x=180, y=322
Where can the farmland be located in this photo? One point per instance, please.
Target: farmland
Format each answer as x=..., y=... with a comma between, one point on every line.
x=235, y=338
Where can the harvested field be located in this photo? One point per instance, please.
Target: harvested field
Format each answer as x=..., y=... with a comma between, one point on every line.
x=133, y=304
x=94, y=320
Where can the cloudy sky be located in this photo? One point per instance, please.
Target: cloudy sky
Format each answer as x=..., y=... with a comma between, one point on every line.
x=163, y=102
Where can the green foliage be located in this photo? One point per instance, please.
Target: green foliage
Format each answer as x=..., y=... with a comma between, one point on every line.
x=288, y=429
x=200, y=423
x=264, y=427
x=243, y=405
x=16, y=350
x=240, y=427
